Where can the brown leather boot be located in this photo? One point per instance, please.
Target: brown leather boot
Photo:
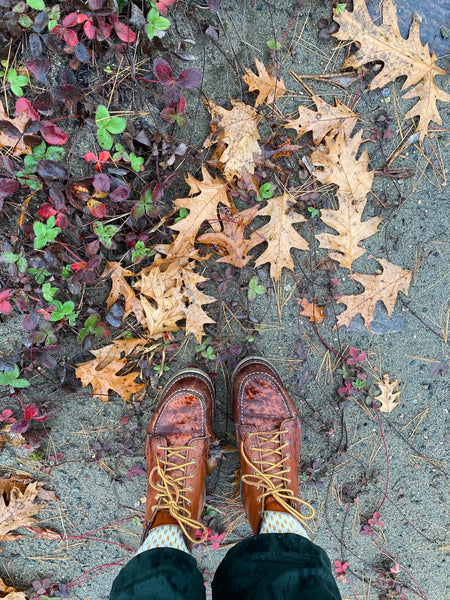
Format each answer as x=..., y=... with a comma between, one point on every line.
x=268, y=435
x=177, y=446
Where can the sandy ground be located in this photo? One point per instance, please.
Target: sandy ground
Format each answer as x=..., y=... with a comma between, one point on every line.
x=342, y=445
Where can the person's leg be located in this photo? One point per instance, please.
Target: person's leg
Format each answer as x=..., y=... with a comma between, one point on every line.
x=178, y=439
x=279, y=561
x=159, y=574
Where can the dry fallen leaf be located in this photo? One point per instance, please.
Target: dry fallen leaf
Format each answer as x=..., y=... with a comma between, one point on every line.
x=119, y=287
x=105, y=379
x=11, y=132
x=408, y=57
x=270, y=88
x=217, y=451
x=231, y=243
x=384, y=287
x=17, y=507
x=10, y=593
x=340, y=166
x=327, y=119
x=280, y=234
x=389, y=398
x=211, y=192
x=236, y=134
x=311, y=310
x=196, y=317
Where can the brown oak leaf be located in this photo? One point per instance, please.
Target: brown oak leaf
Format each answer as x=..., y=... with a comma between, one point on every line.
x=17, y=507
x=389, y=398
x=120, y=287
x=384, y=287
x=340, y=166
x=211, y=192
x=231, y=242
x=10, y=593
x=11, y=132
x=118, y=349
x=280, y=234
x=327, y=119
x=400, y=56
x=313, y=311
x=270, y=88
x=236, y=133
x=105, y=379
x=196, y=317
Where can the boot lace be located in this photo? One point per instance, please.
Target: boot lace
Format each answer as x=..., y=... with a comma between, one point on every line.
x=271, y=476
x=171, y=490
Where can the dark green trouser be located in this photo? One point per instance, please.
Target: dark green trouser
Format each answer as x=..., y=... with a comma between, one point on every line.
x=269, y=566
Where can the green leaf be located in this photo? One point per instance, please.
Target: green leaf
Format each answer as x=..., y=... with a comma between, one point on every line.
x=55, y=153
x=161, y=24
x=10, y=257
x=115, y=124
x=153, y=15
x=20, y=383
x=25, y=21
x=36, y=4
x=104, y=139
x=21, y=264
x=101, y=115
x=38, y=152
x=39, y=228
x=22, y=80
x=16, y=90
x=151, y=31
x=91, y=321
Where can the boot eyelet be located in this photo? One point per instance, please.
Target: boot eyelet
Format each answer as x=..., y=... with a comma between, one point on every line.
x=287, y=455
x=287, y=442
x=253, y=459
x=259, y=513
x=190, y=489
x=286, y=430
x=254, y=473
x=192, y=474
x=259, y=500
x=194, y=460
x=252, y=447
x=194, y=448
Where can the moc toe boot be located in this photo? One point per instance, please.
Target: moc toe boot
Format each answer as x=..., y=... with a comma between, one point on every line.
x=177, y=445
x=268, y=434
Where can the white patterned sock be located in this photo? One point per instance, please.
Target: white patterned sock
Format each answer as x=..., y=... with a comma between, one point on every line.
x=164, y=536
x=281, y=522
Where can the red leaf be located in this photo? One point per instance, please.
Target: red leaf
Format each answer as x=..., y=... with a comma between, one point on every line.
x=96, y=208
x=124, y=33
x=5, y=307
x=53, y=134
x=23, y=104
x=31, y=411
x=70, y=37
x=39, y=66
x=103, y=156
x=46, y=211
x=101, y=183
x=89, y=29
x=162, y=71
x=71, y=19
x=90, y=157
x=120, y=194
x=8, y=187
x=189, y=78
x=164, y=5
